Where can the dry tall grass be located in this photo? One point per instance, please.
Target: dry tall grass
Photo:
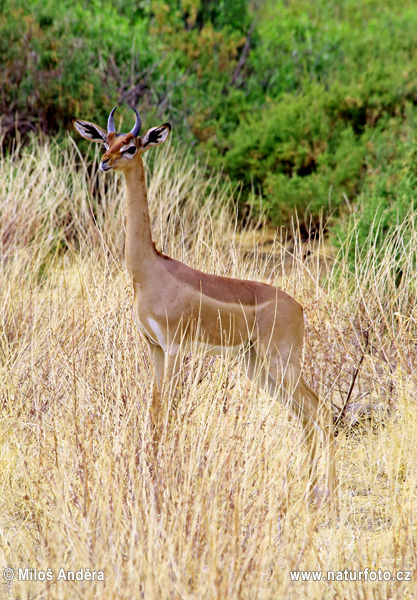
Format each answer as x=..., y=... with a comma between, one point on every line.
x=221, y=513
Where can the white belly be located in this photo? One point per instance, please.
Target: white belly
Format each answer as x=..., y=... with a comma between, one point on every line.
x=150, y=329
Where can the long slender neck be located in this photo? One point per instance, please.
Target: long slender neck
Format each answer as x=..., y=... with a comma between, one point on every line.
x=140, y=252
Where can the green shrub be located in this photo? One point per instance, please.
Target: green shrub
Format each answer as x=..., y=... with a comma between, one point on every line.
x=340, y=81
x=387, y=202
x=66, y=58
x=305, y=103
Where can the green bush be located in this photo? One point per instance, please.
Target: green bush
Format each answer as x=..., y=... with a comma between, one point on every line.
x=305, y=103
x=66, y=58
x=387, y=202
x=339, y=93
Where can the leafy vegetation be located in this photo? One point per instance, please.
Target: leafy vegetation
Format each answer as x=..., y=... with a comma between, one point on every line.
x=311, y=106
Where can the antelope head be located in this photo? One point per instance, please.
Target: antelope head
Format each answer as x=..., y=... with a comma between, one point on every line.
x=121, y=149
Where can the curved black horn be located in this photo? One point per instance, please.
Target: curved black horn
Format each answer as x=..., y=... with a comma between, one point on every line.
x=110, y=123
x=136, y=129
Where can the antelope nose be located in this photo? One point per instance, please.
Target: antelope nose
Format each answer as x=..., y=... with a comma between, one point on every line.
x=104, y=166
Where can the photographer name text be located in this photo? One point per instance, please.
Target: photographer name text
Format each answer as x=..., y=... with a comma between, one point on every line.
x=28, y=574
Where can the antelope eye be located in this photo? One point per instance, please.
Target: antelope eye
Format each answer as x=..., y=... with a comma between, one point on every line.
x=130, y=150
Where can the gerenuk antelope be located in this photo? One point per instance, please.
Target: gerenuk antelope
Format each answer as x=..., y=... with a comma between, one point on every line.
x=177, y=307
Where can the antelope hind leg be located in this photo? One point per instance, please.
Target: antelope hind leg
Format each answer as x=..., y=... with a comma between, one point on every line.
x=305, y=405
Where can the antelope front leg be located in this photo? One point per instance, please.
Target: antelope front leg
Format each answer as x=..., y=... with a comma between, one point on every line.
x=157, y=356
x=165, y=369
x=170, y=384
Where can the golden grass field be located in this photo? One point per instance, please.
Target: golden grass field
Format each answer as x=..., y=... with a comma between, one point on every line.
x=219, y=513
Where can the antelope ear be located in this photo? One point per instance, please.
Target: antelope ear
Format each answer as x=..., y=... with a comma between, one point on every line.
x=155, y=136
x=89, y=131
